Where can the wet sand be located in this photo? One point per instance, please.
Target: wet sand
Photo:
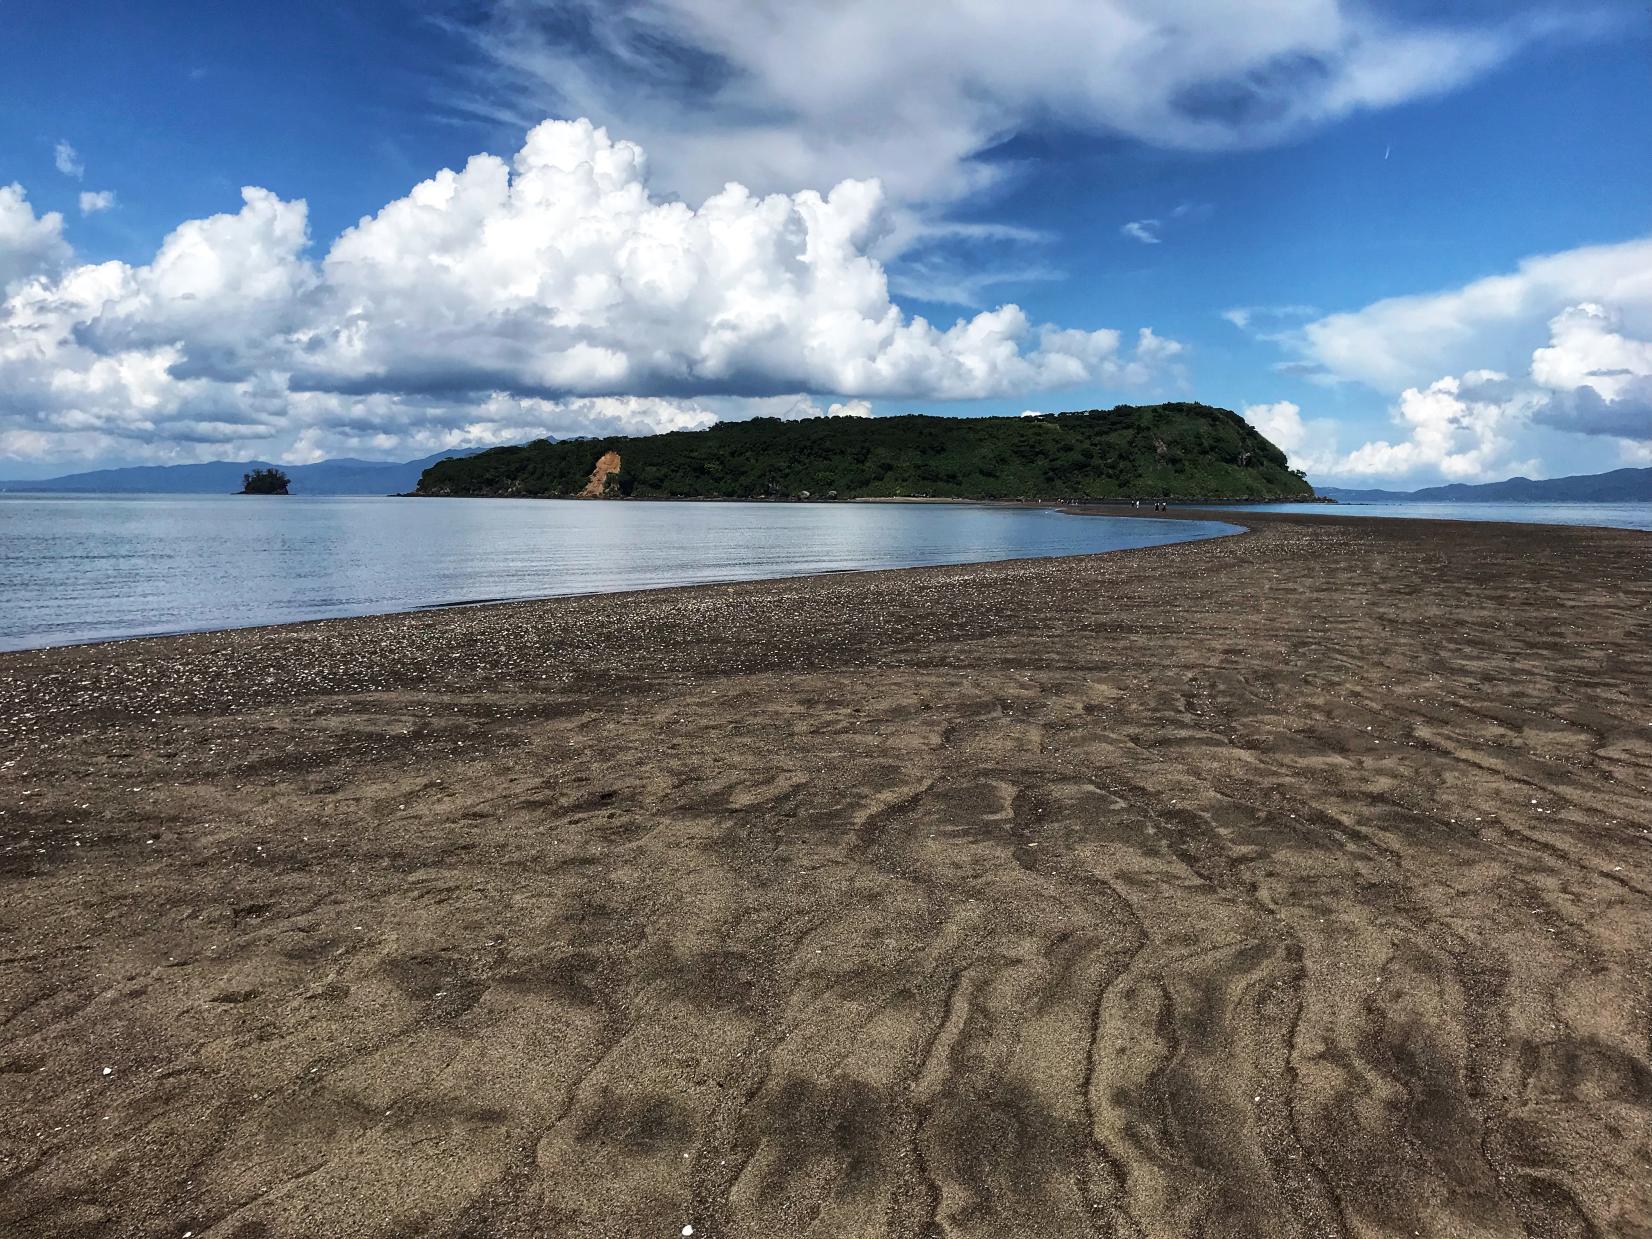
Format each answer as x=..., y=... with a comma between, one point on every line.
x=1291, y=884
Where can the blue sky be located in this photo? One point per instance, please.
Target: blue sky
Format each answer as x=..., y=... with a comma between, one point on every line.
x=1411, y=248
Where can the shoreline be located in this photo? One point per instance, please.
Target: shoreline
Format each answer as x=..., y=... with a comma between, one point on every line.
x=1292, y=883
x=1230, y=529
x=1212, y=516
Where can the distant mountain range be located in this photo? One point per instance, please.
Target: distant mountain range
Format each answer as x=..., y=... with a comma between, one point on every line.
x=344, y=476
x=348, y=476
x=1618, y=486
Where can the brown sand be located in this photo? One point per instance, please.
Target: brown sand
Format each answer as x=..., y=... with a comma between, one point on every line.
x=1295, y=884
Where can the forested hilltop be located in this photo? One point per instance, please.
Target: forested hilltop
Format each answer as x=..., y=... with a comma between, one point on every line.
x=1188, y=451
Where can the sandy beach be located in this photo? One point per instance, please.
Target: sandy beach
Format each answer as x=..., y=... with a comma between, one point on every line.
x=1290, y=884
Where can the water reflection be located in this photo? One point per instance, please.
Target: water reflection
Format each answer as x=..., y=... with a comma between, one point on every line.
x=83, y=567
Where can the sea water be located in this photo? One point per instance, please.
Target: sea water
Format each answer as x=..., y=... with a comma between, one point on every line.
x=1614, y=515
x=87, y=567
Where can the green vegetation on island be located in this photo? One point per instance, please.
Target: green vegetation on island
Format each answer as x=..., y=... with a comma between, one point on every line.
x=1163, y=451
x=265, y=482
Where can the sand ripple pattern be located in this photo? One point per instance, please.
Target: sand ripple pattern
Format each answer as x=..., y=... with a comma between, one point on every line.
x=1297, y=884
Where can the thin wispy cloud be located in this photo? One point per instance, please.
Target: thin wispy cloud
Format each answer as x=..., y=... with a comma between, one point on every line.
x=1272, y=323
x=950, y=284
x=961, y=263
x=775, y=93
x=68, y=160
x=1154, y=231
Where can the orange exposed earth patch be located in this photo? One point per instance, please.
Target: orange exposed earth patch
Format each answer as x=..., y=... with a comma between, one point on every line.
x=607, y=464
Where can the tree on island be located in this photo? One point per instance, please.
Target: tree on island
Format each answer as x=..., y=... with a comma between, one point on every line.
x=265, y=482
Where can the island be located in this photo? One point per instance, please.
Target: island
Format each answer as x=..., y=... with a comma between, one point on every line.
x=270, y=481
x=1161, y=451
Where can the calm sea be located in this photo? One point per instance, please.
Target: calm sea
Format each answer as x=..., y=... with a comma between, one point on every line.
x=1615, y=515
x=87, y=567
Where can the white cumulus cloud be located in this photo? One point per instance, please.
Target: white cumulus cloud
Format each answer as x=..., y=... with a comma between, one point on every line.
x=549, y=292
x=230, y=293
x=1463, y=429
x=1309, y=443
x=29, y=243
x=1562, y=342
x=1601, y=379
x=590, y=285
x=94, y=201
x=849, y=408
x=1496, y=322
